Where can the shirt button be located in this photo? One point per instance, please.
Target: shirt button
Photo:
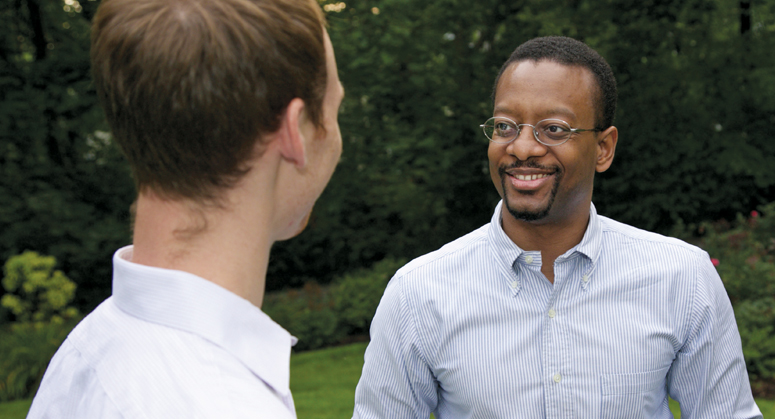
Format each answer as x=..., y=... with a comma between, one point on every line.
x=585, y=278
x=557, y=378
x=529, y=259
x=552, y=313
x=514, y=284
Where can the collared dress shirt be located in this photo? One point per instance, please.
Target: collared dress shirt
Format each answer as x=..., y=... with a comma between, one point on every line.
x=475, y=330
x=169, y=344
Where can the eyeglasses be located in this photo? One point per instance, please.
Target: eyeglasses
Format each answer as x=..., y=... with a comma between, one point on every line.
x=549, y=132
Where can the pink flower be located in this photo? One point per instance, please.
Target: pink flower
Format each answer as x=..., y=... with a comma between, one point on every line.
x=754, y=214
x=714, y=261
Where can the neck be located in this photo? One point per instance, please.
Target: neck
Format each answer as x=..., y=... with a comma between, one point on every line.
x=225, y=245
x=551, y=237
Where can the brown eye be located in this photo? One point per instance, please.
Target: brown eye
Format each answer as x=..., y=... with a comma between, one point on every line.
x=553, y=131
x=504, y=129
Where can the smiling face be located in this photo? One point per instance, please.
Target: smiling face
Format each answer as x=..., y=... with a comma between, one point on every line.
x=538, y=183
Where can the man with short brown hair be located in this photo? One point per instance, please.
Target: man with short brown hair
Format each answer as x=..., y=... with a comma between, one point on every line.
x=227, y=113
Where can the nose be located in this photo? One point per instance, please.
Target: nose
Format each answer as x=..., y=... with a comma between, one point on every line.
x=525, y=145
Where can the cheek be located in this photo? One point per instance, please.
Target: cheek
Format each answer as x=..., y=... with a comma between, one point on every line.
x=493, y=155
x=582, y=171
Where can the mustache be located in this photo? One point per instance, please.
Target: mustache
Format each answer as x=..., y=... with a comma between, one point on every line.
x=529, y=164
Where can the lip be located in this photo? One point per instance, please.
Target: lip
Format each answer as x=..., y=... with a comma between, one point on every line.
x=529, y=180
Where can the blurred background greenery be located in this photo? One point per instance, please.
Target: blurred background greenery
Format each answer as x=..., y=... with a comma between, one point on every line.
x=696, y=115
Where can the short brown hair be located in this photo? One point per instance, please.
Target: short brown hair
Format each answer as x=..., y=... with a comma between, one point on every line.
x=189, y=86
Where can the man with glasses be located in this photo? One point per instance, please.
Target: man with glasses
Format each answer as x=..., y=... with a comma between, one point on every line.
x=551, y=310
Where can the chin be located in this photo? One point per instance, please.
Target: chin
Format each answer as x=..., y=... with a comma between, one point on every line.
x=302, y=225
x=529, y=215
x=523, y=212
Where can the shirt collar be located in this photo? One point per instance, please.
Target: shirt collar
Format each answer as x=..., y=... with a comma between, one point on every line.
x=506, y=252
x=190, y=303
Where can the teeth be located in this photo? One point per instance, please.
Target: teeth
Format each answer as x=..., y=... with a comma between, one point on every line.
x=530, y=177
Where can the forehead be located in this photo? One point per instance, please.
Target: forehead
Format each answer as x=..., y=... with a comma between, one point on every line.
x=544, y=89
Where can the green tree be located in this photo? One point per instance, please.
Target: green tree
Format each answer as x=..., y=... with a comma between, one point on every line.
x=695, y=105
x=695, y=113
x=64, y=188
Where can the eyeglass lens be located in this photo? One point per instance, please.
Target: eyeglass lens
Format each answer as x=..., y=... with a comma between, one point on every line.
x=548, y=131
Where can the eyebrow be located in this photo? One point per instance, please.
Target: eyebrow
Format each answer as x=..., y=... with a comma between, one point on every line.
x=559, y=111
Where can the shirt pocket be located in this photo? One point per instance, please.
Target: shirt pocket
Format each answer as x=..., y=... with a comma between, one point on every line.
x=633, y=396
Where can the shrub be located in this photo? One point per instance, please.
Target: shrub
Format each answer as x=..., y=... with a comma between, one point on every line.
x=38, y=297
x=744, y=255
x=357, y=295
x=35, y=292
x=307, y=314
x=323, y=316
x=25, y=351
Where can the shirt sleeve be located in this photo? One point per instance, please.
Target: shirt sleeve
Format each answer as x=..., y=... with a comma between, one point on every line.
x=708, y=376
x=70, y=389
x=397, y=381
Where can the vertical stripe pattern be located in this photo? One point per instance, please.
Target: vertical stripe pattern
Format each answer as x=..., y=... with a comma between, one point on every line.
x=475, y=330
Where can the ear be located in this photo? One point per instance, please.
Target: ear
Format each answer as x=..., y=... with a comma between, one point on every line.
x=292, y=132
x=606, y=147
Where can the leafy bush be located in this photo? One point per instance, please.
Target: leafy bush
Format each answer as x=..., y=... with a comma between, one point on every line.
x=323, y=316
x=357, y=295
x=25, y=351
x=35, y=292
x=744, y=255
x=307, y=313
x=38, y=298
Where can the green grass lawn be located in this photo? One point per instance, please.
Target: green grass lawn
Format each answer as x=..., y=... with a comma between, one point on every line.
x=323, y=383
x=14, y=410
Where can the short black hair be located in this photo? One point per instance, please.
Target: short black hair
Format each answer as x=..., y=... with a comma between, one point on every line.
x=570, y=52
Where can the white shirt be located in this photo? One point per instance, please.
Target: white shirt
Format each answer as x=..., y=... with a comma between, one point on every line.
x=168, y=344
x=475, y=330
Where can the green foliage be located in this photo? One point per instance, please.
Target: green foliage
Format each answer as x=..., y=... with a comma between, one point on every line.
x=695, y=109
x=323, y=316
x=25, y=351
x=695, y=112
x=745, y=257
x=357, y=295
x=64, y=188
x=307, y=313
x=35, y=292
x=38, y=297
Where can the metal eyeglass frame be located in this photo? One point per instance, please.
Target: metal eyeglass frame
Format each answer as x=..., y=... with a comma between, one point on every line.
x=571, y=131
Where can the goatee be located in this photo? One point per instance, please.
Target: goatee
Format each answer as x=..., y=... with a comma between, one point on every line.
x=530, y=215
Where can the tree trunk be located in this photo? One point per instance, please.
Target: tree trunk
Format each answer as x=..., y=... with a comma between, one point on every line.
x=36, y=23
x=745, y=16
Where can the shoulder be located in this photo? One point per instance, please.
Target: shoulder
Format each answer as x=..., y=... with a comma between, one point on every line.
x=147, y=369
x=636, y=256
x=458, y=251
x=620, y=237
x=71, y=386
x=683, y=271
x=439, y=275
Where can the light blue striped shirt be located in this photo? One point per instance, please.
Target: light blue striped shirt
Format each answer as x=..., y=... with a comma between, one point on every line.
x=475, y=330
